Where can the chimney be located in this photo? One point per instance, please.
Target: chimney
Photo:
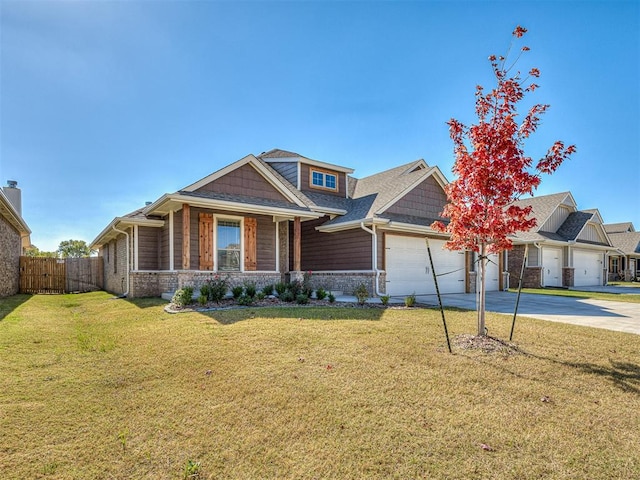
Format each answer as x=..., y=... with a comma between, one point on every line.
x=14, y=195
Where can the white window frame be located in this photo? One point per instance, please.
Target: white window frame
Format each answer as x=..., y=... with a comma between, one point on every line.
x=232, y=218
x=323, y=175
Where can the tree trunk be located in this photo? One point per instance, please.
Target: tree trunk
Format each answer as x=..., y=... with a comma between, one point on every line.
x=481, y=289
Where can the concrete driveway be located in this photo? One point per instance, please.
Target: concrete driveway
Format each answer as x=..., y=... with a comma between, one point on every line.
x=619, y=316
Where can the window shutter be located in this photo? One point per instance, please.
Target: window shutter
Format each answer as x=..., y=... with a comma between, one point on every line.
x=205, y=234
x=250, y=244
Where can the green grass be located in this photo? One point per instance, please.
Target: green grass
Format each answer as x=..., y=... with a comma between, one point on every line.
x=92, y=387
x=615, y=297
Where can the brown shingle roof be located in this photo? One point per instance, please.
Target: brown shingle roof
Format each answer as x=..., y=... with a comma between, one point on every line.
x=619, y=227
x=628, y=242
x=542, y=207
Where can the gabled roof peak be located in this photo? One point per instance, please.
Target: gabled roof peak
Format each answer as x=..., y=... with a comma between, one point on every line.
x=278, y=153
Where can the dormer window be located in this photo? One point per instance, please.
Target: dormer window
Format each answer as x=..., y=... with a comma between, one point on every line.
x=323, y=179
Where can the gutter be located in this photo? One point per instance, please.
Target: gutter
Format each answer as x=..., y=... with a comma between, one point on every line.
x=126, y=293
x=374, y=254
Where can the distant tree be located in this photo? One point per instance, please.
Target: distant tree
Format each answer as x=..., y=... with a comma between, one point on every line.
x=74, y=249
x=493, y=171
x=34, y=251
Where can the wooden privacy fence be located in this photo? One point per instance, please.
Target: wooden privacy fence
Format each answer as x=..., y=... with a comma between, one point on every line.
x=58, y=275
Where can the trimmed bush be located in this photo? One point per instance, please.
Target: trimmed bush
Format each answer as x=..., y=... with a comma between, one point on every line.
x=183, y=296
x=237, y=291
x=361, y=294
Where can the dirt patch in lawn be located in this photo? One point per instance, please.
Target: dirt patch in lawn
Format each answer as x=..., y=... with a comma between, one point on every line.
x=485, y=344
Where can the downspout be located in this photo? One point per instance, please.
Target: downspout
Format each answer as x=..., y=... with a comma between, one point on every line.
x=125, y=294
x=374, y=255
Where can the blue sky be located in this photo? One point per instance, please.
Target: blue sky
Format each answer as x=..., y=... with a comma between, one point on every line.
x=107, y=104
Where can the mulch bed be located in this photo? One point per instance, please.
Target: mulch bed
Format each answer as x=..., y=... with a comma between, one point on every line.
x=485, y=344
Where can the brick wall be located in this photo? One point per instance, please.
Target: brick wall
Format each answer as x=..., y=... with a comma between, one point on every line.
x=532, y=277
x=568, y=276
x=10, y=249
x=115, y=265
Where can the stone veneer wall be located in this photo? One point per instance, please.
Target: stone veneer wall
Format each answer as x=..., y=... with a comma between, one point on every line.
x=154, y=284
x=346, y=281
x=10, y=249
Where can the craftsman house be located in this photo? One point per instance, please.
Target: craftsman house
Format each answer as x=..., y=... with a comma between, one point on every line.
x=624, y=264
x=271, y=217
x=568, y=248
x=14, y=238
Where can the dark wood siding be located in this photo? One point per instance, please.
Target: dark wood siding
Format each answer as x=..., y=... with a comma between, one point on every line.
x=177, y=240
x=266, y=238
x=288, y=170
x=348, y=250
x=426, y=200
x=305, y=182
x=148, y=248
x=266, y=243
x=163, y=245
x=243, y=181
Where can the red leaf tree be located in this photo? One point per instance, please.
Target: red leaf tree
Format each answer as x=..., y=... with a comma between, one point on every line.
x=492, y=169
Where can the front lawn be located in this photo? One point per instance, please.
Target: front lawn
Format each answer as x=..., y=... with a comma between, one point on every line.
x=92, y=387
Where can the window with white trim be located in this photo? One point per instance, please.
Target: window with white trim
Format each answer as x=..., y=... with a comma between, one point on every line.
x=228, y=240
x=325, y=180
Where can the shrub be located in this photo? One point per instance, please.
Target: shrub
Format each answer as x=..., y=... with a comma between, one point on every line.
x=302, y=299
x=267, y=290
x=237, y=291
x=244, y=299
x=295, y=287
x=287, y=296
x=202, y=299
x=250, y=289
x=205, y=291
x=321, y=293
x=410, y=301
x=218, y=288
x=183, y=296
x=280, y=288
x=260, y=295
x=361, y=294
x=332, y=298
x=385, y=299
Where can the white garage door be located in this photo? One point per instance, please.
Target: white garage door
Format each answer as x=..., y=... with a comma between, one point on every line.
x=552, y=267
x=587, y=268
x=408, y=269
x=492, y=274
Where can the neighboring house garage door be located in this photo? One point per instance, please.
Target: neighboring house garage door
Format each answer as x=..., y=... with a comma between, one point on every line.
x=587, y=268
x=492, y=275
x=552, y=266
x=408, y=270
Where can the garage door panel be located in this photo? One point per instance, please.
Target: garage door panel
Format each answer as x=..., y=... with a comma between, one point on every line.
x=587, y=268
x=492, y=274
x=552, y=266
x=409, y=271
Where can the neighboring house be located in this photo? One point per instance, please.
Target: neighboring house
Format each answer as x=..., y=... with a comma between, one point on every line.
x=568, y=248
x=625, y=263
x=14, y=238
x=271, y=217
